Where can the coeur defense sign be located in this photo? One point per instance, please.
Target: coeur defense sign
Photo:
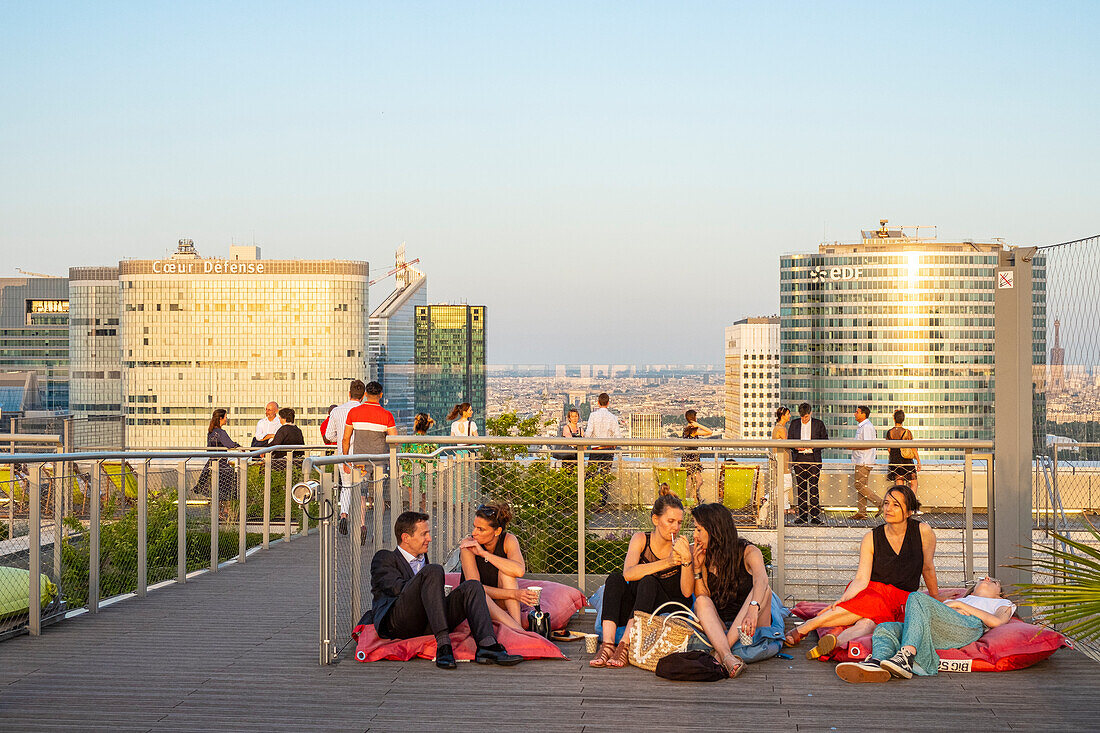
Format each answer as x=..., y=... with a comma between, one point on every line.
x=821, y=274
x=208, y=267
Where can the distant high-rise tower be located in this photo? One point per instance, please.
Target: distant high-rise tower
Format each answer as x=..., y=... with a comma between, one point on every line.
x=450, y=360
x=752, y=377
x=645, y=425
x=1057, y=360
x=392, y=341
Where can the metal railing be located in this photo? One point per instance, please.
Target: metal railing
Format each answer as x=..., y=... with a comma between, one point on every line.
x=92, y=528
x=575, y=507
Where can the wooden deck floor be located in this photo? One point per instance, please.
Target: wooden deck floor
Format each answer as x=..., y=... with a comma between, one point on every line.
x=235, y=651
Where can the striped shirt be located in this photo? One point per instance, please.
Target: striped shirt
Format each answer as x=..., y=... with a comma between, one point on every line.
x=371, y=422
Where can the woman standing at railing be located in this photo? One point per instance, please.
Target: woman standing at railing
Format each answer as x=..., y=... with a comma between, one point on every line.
x=689, y=458
x=216, y=437
x=492, y=555
x=422, y=423
x=463, y=424
x=904, y=462
x=658, y=569
x=779, y=432
x=893, y=557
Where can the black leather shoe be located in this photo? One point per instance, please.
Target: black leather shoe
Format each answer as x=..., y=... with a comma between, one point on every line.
x=496, y=654
x=342, y=525
x=445, y=657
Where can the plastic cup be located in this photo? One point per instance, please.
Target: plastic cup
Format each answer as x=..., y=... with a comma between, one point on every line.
x=447, y=589
x=537, y=590
x=591, y=641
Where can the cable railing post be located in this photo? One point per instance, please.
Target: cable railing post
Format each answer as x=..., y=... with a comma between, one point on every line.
x=143, y=529
x=395, y=483
x=324, y=585
x=355, y=550
x=181, y=522
x=267, y=500
x=93, y=538
x=215, y=490
x=580, y=522
x=288, y=512
x=34, y=532
x=431, y=504
x=968, y=503
x=242, y=509
x=779, y=491
x=452, y=510
x=58, y=502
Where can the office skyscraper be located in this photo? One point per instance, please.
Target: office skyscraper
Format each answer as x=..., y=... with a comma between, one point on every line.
x=896, y=321
x=34, y=339
x=95, y=352
x=392, y=343
x=450, y=360
x=752, y=377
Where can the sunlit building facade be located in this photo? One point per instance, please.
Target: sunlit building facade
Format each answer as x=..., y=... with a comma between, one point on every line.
x=450, y=360
x=95, y=354
x=195, y=334
x=752, y=377
x=896, y=321
x=34, y=338
x=393, y=346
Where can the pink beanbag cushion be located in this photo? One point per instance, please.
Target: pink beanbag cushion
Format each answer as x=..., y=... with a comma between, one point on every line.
x=371, y=648
x=560, y=601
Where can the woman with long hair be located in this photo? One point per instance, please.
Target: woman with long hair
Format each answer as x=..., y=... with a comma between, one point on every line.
x=492, y=555
x=462, y=414
x=689, y=457
x=422, y=423
x=732, y=593
x=657, y=569
x=779, y=432
x=216, y=437
x=904, y=462
x=909, y=647
x=893, y=557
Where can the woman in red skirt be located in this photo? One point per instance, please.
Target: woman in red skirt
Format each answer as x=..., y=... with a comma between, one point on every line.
x=892, y=559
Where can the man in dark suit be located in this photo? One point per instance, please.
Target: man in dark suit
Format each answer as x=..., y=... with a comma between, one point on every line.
x=409, y=598
x=806, y=464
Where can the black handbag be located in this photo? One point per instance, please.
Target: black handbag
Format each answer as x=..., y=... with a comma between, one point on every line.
x=538, y=621
x=693, y=666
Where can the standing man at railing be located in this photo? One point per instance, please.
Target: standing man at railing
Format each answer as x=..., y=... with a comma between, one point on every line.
x=603, y=423
x=365, y=434
x=334, y=431
x=267, y=426
x=806, y=465
x=864, y=461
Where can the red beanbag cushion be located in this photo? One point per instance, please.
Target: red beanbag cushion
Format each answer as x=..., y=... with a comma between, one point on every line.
x=560, y=601
x=371, y=648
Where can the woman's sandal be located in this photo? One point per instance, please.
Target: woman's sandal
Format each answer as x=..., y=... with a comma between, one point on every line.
x=621, y=656
x=734, y=665
x=825, y=645
x=793, y=638
x=607, y=649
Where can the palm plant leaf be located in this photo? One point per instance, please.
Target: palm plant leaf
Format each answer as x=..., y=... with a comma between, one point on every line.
x=1073, y=598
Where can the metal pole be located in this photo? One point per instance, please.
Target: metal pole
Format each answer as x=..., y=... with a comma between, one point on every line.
x=287, y=509
x=143, y=529
x=181, y=522
x=34, y=597
x=267, y=500
x=580, y=522
x=779, y=492
x=432, y=506
x=58, y=502
x=1056, y=499
x=93, y=539
x=1010, y=523
x=324, y=584
x=378, y=505
x=215, y=490
x=395, y=483
x=242, y=509
x=355, y=550
x=968, y=502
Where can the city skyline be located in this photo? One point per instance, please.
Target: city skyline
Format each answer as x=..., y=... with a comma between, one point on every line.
x=614, y=185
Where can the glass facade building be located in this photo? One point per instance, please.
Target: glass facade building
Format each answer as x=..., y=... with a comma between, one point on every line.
x=195, y=334
x=392, y=347
x=450, y=360
x=34, y=337
x=896, y=322
x=95, y=358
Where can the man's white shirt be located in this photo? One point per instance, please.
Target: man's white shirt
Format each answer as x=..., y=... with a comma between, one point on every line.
x=865, y=431
x=337, y=421
x=266, y=428
x=602, y=424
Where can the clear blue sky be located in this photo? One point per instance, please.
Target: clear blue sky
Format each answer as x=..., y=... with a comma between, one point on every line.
x=614, y=181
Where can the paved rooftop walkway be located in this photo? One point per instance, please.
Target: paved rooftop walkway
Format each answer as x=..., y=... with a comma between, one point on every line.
x=235, y=651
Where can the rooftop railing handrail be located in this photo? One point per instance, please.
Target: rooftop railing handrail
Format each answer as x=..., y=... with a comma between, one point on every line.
x=846, y=443
x=30, y=438
x=149, y=454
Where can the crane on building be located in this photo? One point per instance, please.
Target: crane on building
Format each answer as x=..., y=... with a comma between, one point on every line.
x=28, y=273
x=402, y=269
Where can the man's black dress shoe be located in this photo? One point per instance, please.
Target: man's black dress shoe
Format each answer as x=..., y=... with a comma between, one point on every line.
x=445, y=657
x=496, y=654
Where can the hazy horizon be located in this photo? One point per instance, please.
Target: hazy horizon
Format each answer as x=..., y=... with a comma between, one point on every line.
x=614, y=182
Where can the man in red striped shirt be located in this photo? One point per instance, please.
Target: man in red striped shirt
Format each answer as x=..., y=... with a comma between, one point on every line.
x=365, y=433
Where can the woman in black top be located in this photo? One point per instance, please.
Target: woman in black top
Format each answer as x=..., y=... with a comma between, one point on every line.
x=732, y=592
x=657, y=569
x=491, y=555
x=902, y=469
x=689, y=458
x=892, y=559
x=287, y=434
x=216, y=437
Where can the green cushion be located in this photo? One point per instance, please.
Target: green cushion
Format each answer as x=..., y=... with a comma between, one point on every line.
x=15, y=589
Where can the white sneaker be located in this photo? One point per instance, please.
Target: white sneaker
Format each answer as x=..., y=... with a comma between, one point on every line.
x=856, y=672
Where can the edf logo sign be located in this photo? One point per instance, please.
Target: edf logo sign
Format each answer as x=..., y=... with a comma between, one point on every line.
x=822, y=274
